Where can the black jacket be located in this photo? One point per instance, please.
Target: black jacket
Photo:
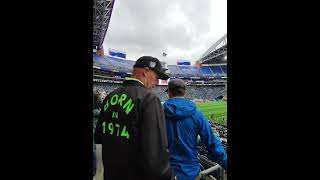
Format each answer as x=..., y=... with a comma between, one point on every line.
x=131, y=129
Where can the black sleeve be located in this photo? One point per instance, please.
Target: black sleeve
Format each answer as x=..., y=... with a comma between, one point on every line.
x=154, y=152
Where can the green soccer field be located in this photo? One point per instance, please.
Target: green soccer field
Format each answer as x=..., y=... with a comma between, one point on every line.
x=218, y=109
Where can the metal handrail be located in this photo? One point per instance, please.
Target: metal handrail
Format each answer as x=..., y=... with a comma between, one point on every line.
x=208, y=171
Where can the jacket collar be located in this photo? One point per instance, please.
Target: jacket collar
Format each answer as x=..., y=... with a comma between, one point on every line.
x=133, y=81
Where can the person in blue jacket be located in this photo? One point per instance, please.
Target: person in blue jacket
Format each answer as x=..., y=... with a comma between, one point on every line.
x=184, y=122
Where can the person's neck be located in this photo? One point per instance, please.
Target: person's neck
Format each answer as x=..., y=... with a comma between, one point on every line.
x=178, y=97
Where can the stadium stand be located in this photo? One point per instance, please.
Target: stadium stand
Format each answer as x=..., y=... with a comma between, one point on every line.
x=193, y=92
x=206, y=70
x=104, y=88
x=201, y=92
x=216, y=70
x=125, y=65
x=224, y=68
x=113, y=63
x=173, y=69
x=101, y=61
x=190, y=70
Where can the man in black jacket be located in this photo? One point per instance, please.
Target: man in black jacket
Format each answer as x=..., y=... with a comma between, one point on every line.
x=131, y=127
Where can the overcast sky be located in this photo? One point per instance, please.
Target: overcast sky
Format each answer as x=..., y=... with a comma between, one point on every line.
x=184, y=29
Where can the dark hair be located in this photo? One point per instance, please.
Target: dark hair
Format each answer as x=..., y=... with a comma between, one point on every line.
x=177, y=87
x=178, y=92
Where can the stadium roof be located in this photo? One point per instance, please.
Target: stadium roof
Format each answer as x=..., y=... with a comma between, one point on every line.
x=217, y=53
x=102, y=10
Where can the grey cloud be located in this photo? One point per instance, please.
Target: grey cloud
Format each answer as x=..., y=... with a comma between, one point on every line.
x=142, y=27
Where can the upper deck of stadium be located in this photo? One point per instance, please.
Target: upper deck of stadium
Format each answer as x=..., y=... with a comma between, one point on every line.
x=216, y=54
x=112, y=63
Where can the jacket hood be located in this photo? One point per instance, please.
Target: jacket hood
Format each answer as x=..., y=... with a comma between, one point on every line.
x=179, y=108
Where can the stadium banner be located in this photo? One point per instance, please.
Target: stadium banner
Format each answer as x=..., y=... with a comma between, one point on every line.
x=184, y=62
x=107, y=80
x=163, y=82
x=117, y=53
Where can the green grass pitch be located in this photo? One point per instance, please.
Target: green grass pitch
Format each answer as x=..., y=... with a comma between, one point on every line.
x=218, y=109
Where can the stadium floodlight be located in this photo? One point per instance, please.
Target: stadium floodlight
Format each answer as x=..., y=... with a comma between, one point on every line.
x=225, y=58
x=97, y=17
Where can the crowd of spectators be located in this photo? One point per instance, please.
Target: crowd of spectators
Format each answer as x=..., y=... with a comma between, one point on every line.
x=193, y=92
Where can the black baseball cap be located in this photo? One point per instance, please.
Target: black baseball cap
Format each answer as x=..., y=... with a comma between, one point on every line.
x=152, y=63
x=176, y=84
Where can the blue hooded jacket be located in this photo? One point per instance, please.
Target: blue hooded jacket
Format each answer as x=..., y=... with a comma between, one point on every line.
x=184, y=122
